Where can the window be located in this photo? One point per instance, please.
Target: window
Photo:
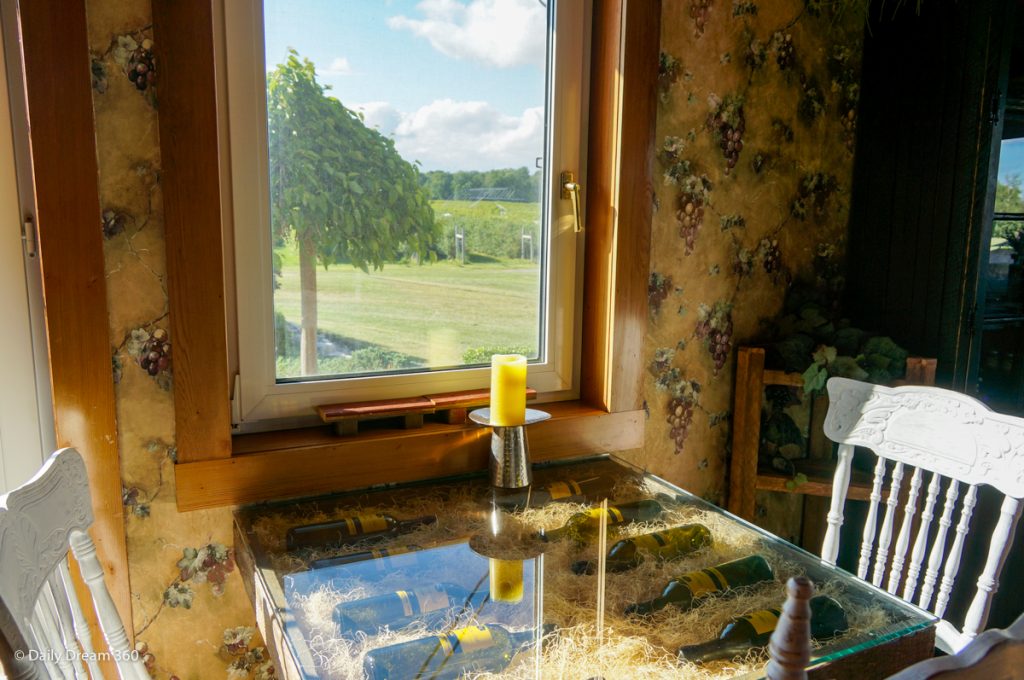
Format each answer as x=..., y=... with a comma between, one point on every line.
x=358, y=284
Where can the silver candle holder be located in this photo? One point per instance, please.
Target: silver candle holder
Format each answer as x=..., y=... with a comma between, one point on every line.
x=510, y=454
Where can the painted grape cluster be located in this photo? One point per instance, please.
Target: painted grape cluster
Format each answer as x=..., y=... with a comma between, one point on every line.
x=142, y=66
x=727, y=122
x=714, y=327
x=155, y=355
x=700, y=10
x=680, y=413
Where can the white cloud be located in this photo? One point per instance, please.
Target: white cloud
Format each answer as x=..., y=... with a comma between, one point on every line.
x=339, y=67
x=460, y=135
x=380, y=115
x=500, y=33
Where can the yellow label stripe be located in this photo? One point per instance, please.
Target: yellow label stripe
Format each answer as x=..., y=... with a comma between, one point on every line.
x=406, y=604
x=722, y=581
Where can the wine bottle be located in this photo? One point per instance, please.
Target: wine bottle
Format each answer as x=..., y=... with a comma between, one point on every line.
x=399, y=608
x=688, y=590
x=828, y=619
x=351, y=529
x=562, y=491
x=381, y=554
x=584, y=526
x=486, y=648
x=667, y=544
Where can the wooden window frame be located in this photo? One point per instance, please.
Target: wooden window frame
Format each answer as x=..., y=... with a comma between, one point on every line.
x=215, y=469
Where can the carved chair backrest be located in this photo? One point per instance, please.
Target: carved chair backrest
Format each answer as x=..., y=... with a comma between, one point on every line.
x=41, y=615
x=946, y=444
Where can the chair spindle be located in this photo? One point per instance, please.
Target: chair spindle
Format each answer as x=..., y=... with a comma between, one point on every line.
x=871, y=523
x=938, y=551
x=903, y=540
x=885, y=536
x=988, y=583
x=921, y=542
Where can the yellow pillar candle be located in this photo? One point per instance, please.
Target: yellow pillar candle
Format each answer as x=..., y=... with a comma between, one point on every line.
x=508, y=389
x=506, y=580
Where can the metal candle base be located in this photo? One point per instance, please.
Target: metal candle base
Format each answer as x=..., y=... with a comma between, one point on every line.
x=510, y=454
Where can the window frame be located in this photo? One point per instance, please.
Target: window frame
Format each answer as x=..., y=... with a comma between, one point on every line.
x=213, y=469
x=262, y=403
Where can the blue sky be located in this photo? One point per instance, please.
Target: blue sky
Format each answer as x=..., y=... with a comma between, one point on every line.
x=458, y=84
x=1011, y=159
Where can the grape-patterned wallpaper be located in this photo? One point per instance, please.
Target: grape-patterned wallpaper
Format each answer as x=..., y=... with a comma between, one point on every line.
x=755, y=131
x=192, y=619
x=756, y=122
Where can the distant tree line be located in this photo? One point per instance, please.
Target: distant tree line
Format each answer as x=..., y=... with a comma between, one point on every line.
x=466, y=185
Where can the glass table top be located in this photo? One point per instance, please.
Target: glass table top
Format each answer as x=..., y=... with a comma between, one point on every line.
x=445, y=580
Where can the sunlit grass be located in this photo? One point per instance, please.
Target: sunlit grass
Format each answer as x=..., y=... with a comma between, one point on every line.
x=433, y=312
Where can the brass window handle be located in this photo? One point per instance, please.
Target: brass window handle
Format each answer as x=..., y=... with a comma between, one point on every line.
x=571, y=190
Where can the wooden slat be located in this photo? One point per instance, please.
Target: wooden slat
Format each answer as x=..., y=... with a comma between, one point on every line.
x=306, y=462
x=782, y=378
x=183, y=41
x=56, y=53
x=430, y=403
x=468, y=398
x=382, y=408
x=746, y=431
x=814, y=486
x=619, y=201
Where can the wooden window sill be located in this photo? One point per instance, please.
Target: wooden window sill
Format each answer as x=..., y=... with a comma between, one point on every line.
x=314, y=460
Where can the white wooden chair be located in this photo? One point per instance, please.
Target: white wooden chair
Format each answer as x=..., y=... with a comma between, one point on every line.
x=40, y=614
x=960, y=443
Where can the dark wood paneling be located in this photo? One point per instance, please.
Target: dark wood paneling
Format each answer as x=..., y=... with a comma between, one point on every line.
x=56, y=60
x=921, y=176
x=183, y=41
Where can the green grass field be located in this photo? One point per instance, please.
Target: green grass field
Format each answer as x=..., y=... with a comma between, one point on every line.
x=433, y=312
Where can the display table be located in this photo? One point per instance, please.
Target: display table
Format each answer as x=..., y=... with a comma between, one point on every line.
x=505, y=575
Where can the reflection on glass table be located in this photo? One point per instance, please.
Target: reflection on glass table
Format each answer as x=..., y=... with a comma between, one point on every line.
x=524, y=588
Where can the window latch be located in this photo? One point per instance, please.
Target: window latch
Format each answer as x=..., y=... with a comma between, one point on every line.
x=28, y=236
x=571, y=190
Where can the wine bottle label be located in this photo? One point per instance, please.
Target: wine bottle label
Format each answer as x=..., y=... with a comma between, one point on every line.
x=614, y=515
x=699, y=583
x=763, y=621
x=466, y=640
x=365, y=524
x=431, y=599
x=652, y=543
x=406, y=602
x=559, y=490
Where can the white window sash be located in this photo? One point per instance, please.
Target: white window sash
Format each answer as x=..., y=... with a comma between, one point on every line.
x=259, y=401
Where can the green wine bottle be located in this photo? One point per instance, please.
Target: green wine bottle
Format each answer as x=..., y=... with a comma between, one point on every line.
x=584, y=526
x=377, y=557
x=562, y=491
x=688, y=590
x=667, y=544
x=487, y=648
x=352, y=529
x=828, y=619
x=399, y=608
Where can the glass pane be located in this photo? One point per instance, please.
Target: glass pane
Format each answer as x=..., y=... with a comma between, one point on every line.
x=406, y=182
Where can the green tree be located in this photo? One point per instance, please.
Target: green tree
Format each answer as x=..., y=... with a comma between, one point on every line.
x=337, y=187
x=1009, y=198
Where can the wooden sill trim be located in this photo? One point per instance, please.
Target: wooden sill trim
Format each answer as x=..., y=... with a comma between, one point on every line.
x=275, y=465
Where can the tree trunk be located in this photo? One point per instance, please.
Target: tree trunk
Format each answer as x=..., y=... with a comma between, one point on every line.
x=307, y=284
